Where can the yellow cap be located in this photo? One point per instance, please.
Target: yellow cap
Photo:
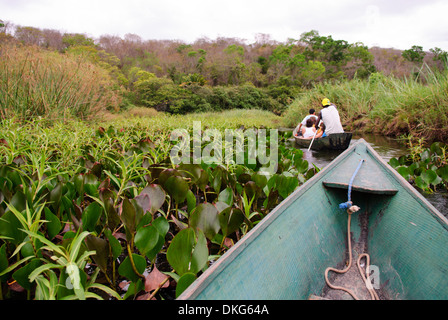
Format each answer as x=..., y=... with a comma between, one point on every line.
x=325, y=102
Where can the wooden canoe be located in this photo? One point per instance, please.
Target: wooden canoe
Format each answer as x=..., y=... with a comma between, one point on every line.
x=336, y=141
x=285, y=256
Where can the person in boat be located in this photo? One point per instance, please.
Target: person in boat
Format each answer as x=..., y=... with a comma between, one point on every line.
x=330, y=117
x=298, y=129
x=309, y=131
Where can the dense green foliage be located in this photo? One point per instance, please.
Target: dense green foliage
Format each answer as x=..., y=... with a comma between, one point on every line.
x=384, y=105
x=85, y=210
x=424, y=167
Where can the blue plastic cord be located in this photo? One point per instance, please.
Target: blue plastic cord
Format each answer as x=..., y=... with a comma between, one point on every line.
x=348, y=204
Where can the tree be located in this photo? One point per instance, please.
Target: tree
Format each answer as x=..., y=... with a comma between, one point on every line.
x=440, y=55
x=415, y=54
x=77, y=39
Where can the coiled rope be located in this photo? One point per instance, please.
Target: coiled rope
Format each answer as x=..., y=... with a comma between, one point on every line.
x=350, y=210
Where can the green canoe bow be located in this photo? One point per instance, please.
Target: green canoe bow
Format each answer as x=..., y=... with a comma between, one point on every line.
x=286, y=254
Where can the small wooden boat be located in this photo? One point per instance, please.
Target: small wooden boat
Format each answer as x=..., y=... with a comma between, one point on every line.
x=287, y=254
x=336, y=141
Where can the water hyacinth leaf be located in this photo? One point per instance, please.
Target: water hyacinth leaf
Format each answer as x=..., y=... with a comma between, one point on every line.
x=430, y=177
x=125, y=269
x=260, y=180
x=252, y=190
x=403, y=171
x=419, y=182
x=393, y=162
x=443, y=173
x=191, y=171
x=78, y=180
x=128, y=215
x=184, y=282
x=162, y=225
x=53, y=225
x=205, y=217
x=156, y=195
x=188, y=252
x=286, y=185
x=21, y=275
x=301, y=164
x=55, y=196
x=146, y=239
x=177, y=188
x=166, y=174
x=101, y=248
x=203, y=180
x=191, y=201
x=10, y=227
x=230, y=220
x=114, y=244
x=90, y=216
x=437, y=148
x=226, y=196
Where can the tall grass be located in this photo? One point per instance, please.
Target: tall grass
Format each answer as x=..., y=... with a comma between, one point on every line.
x=36, y=82
x=384, y=105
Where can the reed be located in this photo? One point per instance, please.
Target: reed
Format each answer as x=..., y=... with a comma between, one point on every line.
x=384, y=105
x=36, y=82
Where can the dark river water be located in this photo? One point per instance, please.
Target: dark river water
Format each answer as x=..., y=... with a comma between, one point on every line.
x=387, y=148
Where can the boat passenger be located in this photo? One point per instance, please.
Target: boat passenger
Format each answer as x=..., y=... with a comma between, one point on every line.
x=312, y=114
x=330, y=117
x=309, y=131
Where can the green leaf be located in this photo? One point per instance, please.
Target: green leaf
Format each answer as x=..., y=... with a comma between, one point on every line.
x=90, y=216
x=419, y=182
x=114, y=244
x=75, y=246
x=188, y=252
x=10, y=227
x=125, y=269
x=3, y=262
x=177, y=188
x=260, y=180
x=184, y=282
x=429, y=176
x=443, y=173
x=162, y=226
x=128, y=215
x=230, y=220
x=191, y=201
x=403, y=171
x=53, y=225
x=301, y=165
x=22, y=275
x=226, y=196
x=205, y=218
x=146, y=239
x=393, y=162
x=156, y=195
x=101, y=247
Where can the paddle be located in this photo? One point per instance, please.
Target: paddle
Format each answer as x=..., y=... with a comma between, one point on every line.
x=314, y=136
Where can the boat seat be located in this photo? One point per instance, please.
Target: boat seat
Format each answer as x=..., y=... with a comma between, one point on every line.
x=371, y=178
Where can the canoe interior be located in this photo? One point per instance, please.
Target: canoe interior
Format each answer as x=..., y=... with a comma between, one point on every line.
x=285, y=255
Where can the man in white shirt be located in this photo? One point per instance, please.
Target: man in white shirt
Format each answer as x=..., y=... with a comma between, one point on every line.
x=330, y=117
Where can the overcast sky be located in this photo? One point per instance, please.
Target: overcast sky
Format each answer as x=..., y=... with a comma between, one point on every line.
x=386, y=23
